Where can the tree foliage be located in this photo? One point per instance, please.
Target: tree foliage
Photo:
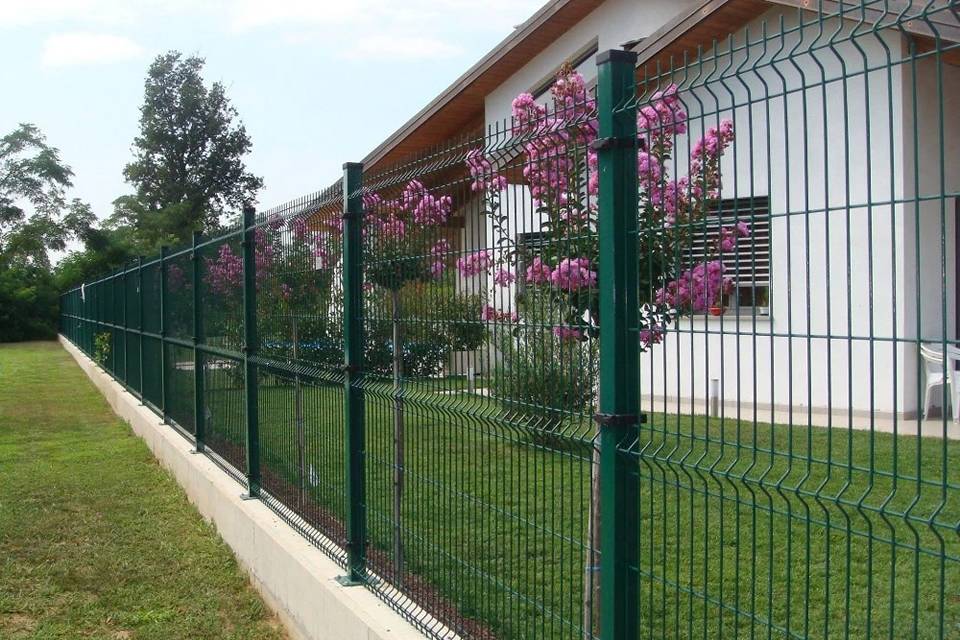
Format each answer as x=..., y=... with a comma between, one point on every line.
x=188, y=165
x=35, y=216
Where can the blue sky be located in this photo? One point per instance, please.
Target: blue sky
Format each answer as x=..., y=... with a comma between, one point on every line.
x=315, y=82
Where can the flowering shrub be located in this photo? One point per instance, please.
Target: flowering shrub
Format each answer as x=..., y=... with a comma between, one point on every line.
x=400, y=236
x=294, y=266
x=560, y=171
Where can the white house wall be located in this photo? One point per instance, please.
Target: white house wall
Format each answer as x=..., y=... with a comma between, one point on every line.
x=836, y=263
x=842, y=240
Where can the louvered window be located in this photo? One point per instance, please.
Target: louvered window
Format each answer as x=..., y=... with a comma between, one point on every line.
x=749, y=265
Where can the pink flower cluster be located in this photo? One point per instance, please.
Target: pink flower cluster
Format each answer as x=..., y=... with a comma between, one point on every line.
x=504, y=277
x=696, y=289
x=475, y=263
x=573, y=274
x=425, y=208
x=264, y=252
x=674, y=199
x=225, y=272
x=538, y=272
x=551, y=164
x=481, y=170
x=392, y=228
x=568, y=333
x=663, y=119
x=652, y=335
x=438, y=252
x=492, y=314
x=727, y=242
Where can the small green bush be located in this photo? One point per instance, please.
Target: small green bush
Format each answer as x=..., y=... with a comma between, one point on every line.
x=101, y=348
x=546, y=382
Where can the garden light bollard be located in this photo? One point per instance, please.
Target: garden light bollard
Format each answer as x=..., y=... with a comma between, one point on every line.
x=250, y=351
x=619, y=349
x=353, y=356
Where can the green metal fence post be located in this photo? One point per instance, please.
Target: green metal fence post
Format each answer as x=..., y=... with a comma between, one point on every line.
x=140, y=320
x=126, y=329
x=353, y=393
x=619, y=349
x=199, y=416
x=250, y=349
x=163, y=332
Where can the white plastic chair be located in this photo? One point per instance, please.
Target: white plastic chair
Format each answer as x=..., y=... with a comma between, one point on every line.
x=933, y=365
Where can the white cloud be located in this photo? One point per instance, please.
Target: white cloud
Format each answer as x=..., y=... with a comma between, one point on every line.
x=398, y=46
x=68, y=49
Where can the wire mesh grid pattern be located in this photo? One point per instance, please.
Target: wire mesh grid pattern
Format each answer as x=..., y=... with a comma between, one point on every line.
x=646, y=360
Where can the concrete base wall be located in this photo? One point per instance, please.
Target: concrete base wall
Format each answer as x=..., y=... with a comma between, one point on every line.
x=296, y=579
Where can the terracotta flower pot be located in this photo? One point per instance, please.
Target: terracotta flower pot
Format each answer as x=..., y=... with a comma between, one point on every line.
x=716, y=311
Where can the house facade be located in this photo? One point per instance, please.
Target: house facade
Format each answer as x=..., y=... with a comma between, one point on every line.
x=844, y=164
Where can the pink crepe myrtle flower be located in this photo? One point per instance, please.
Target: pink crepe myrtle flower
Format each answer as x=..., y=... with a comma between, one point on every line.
x=492, y=314
x=696, y=289
x=475, y=263
x=392, y=228
x=663, y=118
x=441, y=247
x=527, y=113
x=223, y=274
x=727, y=242
x=568, y=334
x=484, y=177
x=573, y=274
x=652, y=335
x=437, y=269
x=576, y=214
x=538, y=272
x=504, y=277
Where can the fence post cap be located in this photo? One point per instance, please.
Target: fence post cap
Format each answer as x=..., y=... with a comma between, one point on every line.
x=616, y=55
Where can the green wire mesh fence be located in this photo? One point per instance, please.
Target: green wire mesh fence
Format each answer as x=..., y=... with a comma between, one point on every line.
x=654, y=358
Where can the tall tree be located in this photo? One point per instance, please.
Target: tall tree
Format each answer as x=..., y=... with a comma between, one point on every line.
x=35, y=216
x=188, y=169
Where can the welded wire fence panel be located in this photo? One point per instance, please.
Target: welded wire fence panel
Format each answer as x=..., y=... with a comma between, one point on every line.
x=132, y=315
x=225, y=410
x=179, y=383
x=300, y=356
x=433, y=373
x=221, y=292
x=480, y=370
x=797, y=222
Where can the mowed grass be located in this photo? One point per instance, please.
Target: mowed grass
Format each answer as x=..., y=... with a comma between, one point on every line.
x=96, y=539
x=747, y=531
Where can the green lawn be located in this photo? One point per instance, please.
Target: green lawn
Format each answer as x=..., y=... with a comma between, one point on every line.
x=747, y=531
x=96, y=540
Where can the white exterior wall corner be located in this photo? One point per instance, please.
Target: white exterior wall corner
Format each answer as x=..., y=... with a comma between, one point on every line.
x=931, y=169
x=297, y=581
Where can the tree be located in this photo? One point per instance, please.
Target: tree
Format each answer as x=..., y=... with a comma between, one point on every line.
x=188, y=168
x=35, y=218
x=32, y=173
